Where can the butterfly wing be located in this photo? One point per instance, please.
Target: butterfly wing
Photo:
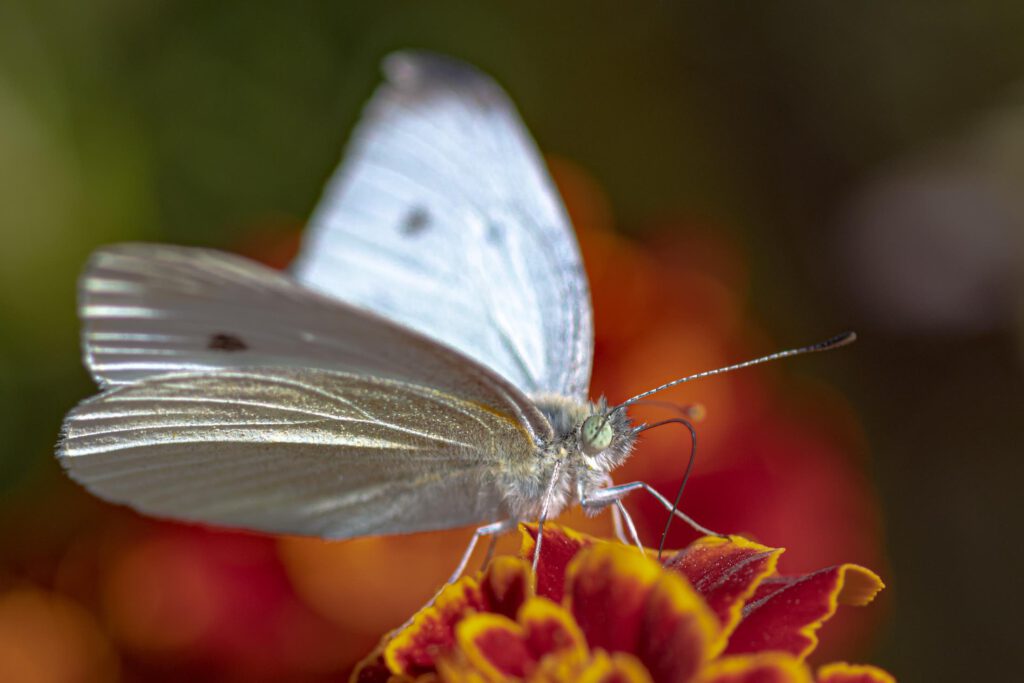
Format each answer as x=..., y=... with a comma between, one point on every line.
x=442, y=217
x=150, y=309
x=295, y=450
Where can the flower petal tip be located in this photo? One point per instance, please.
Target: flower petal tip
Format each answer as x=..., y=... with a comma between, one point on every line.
x=841, y=672
x=413, y=649
x=786, y=612
x=765, y=667
x=859, y=585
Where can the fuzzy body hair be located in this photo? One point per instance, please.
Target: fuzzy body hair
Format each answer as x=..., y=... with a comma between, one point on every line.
x=560, y=466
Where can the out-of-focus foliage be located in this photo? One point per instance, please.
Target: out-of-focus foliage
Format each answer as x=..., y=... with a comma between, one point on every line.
x=782, y=171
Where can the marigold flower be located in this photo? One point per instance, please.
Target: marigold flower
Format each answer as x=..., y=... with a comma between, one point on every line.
x=715, y=612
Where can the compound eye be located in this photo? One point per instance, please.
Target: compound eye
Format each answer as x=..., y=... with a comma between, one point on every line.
x=596, y=434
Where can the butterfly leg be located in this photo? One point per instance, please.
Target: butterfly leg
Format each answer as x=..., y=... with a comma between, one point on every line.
x=617, y=524
x=600, y=498
x=495, y=529
x=618, y=512
x=545, y=508
x=489, y=555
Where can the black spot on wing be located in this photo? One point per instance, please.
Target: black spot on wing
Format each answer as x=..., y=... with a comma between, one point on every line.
x=416, y=221
x=226, y=342
x=494, y=233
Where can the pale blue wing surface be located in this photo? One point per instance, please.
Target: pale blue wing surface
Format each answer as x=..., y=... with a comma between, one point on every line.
x=442, y=217
x=292, y=450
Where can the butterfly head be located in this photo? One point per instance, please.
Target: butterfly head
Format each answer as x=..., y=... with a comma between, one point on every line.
x=605, y=438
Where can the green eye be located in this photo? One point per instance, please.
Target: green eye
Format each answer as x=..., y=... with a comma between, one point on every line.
x=596, y=434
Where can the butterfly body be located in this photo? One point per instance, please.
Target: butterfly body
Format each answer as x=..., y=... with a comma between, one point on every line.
x=561, y=473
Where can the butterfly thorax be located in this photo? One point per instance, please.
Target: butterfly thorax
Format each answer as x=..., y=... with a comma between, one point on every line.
x=560, y=467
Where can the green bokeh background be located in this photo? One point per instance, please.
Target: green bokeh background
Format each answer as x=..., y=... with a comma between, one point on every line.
x=196, y=122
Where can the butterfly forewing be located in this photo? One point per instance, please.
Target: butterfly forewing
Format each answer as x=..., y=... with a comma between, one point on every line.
x=153, y=309
x=302, y=451
x=442, y=217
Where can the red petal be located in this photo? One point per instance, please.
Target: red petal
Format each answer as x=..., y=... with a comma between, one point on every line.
x=414, y=649
x=678, y=630
x=786, y=611
x=566, y=666
x=549, y=628
x=506, y=585
x=767, y=667
x=625, y=602
x=607, y=587
x=559, y=547
x=726, y=572
x=618, y=667
x=494, y=646
x=841, y=672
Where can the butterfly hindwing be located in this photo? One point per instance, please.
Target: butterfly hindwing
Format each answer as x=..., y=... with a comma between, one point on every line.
x=295, y=450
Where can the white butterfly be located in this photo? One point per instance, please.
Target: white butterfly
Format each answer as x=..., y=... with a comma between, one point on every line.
x=424, y=366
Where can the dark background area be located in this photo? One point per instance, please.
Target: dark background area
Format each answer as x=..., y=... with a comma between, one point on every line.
x=867, y=158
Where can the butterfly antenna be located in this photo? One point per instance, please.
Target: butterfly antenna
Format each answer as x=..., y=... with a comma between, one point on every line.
x=686, y=476
x=827, y=345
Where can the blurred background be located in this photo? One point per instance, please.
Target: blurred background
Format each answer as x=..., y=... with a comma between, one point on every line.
x=743, y=176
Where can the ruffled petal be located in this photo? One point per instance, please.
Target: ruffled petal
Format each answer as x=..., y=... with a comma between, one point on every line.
x=495, y=648
x=565, y=666
x=559, y=547
x=678, y=630
x=414, y=649
x=617, y=667
x=548, y=628
x=506, y=585
x=625, y=602
x=451, y=669
x=726, y=572
x=606, y=590
x=841, y=672
x=766, y=667
x=494, y=645
x=787, y=611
